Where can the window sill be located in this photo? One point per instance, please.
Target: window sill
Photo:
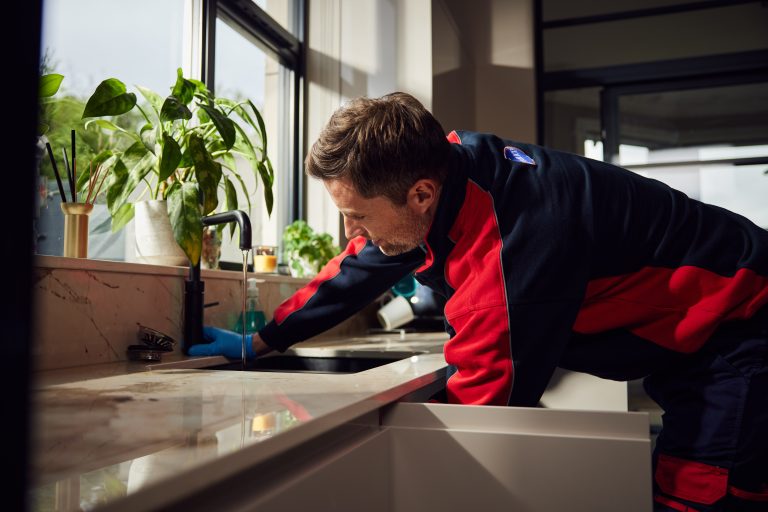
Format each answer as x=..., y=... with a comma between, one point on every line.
x=124, y=267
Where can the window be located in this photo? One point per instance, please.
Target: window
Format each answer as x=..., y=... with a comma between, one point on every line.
x=81, y=41
x=662, y=89
x=246, y=50
x=710, y=142
x=247, y=66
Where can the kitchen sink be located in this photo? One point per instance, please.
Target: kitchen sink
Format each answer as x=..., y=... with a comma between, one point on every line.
x=312, y=364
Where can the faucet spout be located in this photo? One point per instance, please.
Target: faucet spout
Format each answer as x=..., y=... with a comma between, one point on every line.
x=238, y=216
x=194, y=287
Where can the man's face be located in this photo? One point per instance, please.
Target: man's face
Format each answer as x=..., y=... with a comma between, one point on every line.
x=394, y=229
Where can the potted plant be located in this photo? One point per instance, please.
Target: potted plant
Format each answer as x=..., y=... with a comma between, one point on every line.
x=305, y=250
x=179, y=149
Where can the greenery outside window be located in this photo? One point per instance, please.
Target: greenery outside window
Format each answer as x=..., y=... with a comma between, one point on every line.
x=88, y=41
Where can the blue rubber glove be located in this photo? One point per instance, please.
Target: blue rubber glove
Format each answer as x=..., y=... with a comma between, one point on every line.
x=223, y=343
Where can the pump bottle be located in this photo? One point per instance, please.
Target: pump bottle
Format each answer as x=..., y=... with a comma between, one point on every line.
x=254, y=315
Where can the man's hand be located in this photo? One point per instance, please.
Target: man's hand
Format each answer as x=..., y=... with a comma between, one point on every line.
x=229, y=344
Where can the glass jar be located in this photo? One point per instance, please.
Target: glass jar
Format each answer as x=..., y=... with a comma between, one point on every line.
x=265, y=258
x=211, y=253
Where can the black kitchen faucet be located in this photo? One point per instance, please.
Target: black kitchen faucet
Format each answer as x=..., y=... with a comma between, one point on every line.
x=194, y=287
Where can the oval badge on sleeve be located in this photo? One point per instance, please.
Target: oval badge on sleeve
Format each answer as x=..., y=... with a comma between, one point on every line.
x=517, y=155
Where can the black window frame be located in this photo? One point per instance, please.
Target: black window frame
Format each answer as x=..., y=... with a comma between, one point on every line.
x=290, y=52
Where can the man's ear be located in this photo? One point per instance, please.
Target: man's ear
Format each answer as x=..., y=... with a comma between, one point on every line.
x=422, y=195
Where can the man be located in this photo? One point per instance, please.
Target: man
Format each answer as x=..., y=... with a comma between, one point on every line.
x=550, y=259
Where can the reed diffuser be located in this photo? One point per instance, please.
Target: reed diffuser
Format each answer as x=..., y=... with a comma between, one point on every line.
x=76, y=213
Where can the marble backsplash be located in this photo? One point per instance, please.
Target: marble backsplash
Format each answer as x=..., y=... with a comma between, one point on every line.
x=88, y=311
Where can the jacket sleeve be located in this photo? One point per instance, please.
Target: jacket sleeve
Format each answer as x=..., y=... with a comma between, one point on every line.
x=347, y=283
x=519, y=271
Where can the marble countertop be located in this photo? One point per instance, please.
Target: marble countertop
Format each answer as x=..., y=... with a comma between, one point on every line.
x=105, y=431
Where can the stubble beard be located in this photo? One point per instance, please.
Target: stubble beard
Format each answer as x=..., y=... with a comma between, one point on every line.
x=414, y=231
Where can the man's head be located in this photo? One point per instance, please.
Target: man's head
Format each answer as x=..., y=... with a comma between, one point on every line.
x=383, y=160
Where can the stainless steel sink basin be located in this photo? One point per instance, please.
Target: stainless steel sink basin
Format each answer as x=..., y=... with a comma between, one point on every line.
x=312, y=364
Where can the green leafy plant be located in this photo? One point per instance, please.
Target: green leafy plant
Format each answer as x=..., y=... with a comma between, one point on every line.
x=49, y=86
x=182, y=149
x=305, y=250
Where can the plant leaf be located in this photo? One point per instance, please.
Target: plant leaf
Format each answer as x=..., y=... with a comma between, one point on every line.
x=83, y=177
x=122, y=216
x=103, y=124
x=134, y=154
x=154, y=99
x=229, y=162
x=173, y=109
x=148, y=135
x=267, y=180
x=207, y=171
x=230, y=194
x=271, y=172
x=133, y=177
x=183, y=89
x=186, y=159
x=106, y=160
x=109, y=126
x=224, y=125
x=109, y=99
x=170, y=157
x=244, y=148
x=49, y=85
x=236, y=107
x=117, y=179
x=231, y=201
x=262, y=130
x=186, y=220
x=245, y=191
x=202, y=89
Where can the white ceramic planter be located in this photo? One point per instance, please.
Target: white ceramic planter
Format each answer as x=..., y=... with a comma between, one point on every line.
x=154, y=237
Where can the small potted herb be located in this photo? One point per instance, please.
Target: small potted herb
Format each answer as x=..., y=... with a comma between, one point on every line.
x=306, y=251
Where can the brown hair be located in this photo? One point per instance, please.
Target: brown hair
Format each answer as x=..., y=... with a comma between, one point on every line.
x=382, y=145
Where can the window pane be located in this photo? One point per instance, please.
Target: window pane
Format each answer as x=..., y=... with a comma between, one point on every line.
x=244, y=70
x=686, y=132
x=572, y=116
x=88, y=41
x=282, y=11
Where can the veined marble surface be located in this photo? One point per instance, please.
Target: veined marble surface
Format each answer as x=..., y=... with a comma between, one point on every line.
x=87, y=311
x=109, y=430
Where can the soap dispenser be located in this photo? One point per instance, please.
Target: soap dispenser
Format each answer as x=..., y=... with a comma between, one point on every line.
x=254, y=316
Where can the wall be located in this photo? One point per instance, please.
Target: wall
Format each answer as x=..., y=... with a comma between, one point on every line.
x=738, y=27
x=87, y=311
x=484, y=77
x=361, y=48
x=470, y=63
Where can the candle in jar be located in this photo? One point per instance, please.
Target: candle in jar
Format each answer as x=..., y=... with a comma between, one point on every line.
x=264, y=258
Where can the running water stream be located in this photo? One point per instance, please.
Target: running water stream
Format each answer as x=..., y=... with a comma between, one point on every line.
x=245, y=281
